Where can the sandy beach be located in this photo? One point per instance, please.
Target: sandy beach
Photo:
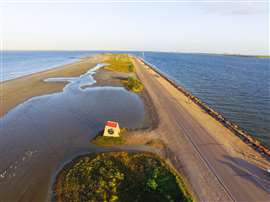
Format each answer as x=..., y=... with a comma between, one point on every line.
x=16, y=91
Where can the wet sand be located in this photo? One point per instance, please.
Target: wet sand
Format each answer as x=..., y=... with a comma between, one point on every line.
x=50, y=123
x=16, y=91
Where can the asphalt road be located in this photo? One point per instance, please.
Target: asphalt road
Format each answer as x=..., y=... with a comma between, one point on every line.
x=213, y=174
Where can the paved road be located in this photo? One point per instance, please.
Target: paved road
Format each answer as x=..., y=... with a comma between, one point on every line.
x=213, y=173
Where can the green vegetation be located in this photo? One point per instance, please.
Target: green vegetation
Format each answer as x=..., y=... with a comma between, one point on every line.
x=109, y=141
x=122, y=63
x=133, y=84
x=119, y=63
x=120, y=176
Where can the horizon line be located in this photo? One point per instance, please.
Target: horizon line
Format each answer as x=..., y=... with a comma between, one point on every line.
x=77, y=50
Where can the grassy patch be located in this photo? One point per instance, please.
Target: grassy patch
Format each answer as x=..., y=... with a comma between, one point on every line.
x=109, y=141
x=122, y=63
x=119, y=63
x=133, y=84
x=120, y=176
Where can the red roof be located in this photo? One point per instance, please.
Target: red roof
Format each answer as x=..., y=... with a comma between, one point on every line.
x=111, y=124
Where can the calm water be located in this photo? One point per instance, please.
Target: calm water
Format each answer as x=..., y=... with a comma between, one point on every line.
x=238, y=87
x=20, y=63
x=38, y=135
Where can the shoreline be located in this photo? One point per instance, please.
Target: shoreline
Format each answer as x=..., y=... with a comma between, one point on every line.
x=36, y=82
x=64, y=70
x=199, y=146
x=237, y=130
x=69, y=61
x=177, y=153
x=19, y=90
x=32, y=86
x=53, y=68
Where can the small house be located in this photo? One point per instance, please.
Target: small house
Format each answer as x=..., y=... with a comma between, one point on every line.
x=111, y=129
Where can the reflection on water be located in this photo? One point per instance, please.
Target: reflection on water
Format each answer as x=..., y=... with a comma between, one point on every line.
x=40, y=133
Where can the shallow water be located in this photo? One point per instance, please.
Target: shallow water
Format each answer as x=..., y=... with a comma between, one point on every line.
x=15, y=64
x=78, y=83
x=39, y=134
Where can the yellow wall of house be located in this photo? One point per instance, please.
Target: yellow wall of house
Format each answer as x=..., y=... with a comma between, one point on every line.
x=115, y=134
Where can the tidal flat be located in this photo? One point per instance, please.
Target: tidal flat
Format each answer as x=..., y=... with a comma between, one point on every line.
x=40, y=134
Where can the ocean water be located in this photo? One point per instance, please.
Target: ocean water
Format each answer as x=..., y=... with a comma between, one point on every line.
x=237, y=87
x=15, y=64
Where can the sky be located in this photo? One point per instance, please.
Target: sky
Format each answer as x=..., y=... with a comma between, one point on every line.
x=234, y=27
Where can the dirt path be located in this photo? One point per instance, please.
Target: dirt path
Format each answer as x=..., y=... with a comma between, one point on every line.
x=217, y=165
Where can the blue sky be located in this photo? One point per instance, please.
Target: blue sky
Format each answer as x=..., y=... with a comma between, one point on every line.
x=188, y=26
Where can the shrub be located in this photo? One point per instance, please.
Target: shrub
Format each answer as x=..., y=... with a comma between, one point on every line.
x=119, y=176
x=133, y=84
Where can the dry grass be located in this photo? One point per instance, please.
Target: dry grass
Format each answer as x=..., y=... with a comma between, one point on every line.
x=119, y=63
